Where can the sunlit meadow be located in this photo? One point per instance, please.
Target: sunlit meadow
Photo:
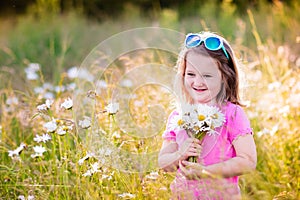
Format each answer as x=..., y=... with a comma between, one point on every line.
x=43, y=157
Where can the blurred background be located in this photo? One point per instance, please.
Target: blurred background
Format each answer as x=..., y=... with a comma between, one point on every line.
x=42, y=44
x=58, y=34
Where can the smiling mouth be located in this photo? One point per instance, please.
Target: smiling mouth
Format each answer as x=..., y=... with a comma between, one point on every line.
x=200, y=89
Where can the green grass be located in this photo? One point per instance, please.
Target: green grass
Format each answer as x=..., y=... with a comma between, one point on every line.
x=60, y=42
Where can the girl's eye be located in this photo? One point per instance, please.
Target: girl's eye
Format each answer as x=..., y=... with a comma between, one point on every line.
x=207, y=76
x=190, y=74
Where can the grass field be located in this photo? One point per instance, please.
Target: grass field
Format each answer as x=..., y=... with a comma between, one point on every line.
x=42, y=153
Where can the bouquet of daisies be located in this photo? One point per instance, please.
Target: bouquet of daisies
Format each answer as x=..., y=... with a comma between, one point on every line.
x=199, y=120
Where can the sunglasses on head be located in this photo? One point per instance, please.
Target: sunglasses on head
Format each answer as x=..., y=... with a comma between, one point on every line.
x=211, y=42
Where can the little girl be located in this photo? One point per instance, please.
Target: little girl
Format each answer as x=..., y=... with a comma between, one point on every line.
x=208, y=74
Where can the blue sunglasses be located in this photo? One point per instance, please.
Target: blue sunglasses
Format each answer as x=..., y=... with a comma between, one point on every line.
x=212, y=42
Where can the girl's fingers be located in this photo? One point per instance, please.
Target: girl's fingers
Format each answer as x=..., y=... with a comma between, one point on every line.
x=186, y=163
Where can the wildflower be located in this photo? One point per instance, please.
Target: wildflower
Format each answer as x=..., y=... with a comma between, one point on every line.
x=41, y=107
x=17, y=151
x=199, y=120
x=69, y=128
x=39, y=150
x=50, y=126
x=60, y=88
x=112, y=108
x=44, y=138
x=127, y=195
x=105, y=152
x=46, y=105
x=71, y=86
x=88, y=155
x=12, y=101
x=48, y=95
x=87, y=173
x=30, y=197
x=74, y=72
x=31, y=71
x=49, y=102
x=67, y=104
x=21, y=197
x=152, y=176
x=94, y=169
x=85, y=123
x=116, y=135
x=108, y=177
x=175, y=122
x=61, y=131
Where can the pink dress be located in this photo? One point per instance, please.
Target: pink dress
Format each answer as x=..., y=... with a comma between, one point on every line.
x=215, y=149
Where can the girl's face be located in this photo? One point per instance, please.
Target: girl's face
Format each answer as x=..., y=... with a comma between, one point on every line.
x=202, y=78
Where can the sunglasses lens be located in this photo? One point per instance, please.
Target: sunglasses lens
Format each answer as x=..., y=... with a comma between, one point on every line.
x=192, y=41
x=213, y=43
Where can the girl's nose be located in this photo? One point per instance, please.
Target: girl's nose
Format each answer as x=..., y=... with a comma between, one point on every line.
x=199, y=81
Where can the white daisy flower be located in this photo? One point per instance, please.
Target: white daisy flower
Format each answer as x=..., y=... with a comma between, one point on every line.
x=38, y=90
x=72, y=72
x=44, y=138
x=116, y=135
x=48, y=95
x=108, y=177
x=12, y=101
x=50, y=126
x=67, y=104
x=59, y=88
x=21, y=197
x=31, y=71
x=200, y=118
x=61, y=131
x=85, y=123
x=46, y=105
x=17, y=151
x=88, y=155
x=94, y=169
x=152, y=176
x=174, y=122
x=88, y=173
x=39, y=150
x=30, y=197
x=41, y=107
x=112, y=108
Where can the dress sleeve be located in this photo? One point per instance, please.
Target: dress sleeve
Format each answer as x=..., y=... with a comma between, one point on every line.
x=238, y=123
x=169, y=133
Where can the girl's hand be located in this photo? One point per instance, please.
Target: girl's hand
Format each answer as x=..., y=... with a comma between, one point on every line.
x=193, y=171
x=190, y=147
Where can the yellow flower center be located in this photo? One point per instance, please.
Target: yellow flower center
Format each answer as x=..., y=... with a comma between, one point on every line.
x=201, y=117
x=180, y=122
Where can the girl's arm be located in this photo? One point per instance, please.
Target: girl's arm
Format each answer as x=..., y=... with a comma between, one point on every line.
x=170, y=155
x=244, y=161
